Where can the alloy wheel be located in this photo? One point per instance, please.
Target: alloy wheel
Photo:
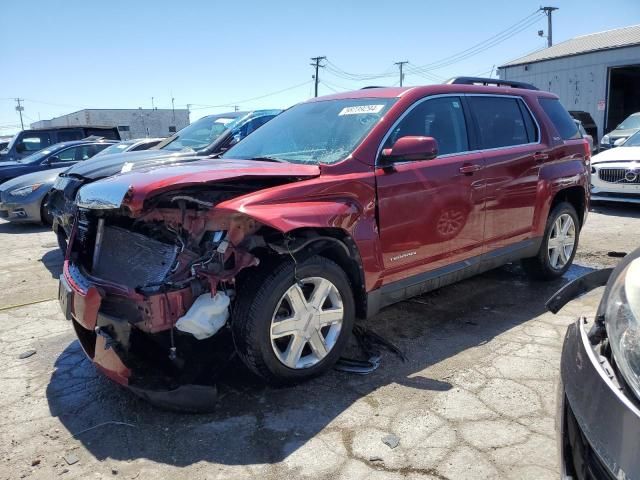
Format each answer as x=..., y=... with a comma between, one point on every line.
x=307, y=322
x=562, y=241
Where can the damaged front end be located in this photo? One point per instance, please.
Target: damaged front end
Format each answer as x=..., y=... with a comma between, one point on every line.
x=149, y=291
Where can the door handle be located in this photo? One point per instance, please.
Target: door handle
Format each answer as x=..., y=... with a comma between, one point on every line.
x=540, y=157
x=469, y=169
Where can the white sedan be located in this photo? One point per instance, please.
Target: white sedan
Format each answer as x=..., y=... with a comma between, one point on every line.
x=615, y=173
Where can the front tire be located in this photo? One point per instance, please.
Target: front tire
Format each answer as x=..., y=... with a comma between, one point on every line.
x=288, y=331
x=559, y=244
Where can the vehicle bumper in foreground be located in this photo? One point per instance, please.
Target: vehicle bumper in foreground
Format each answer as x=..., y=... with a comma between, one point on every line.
x=102, y=337
x=598, y=426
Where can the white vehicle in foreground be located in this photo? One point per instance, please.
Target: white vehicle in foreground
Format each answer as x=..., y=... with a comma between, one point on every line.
x=615, y=173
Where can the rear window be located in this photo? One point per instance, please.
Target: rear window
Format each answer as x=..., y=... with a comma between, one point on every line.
x=566, y=127
x=502, y=122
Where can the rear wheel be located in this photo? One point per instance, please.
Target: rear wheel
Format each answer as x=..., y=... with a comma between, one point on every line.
x=559, y=244
x=288, y=331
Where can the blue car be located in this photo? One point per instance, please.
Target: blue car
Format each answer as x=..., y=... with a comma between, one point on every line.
x=60, y=155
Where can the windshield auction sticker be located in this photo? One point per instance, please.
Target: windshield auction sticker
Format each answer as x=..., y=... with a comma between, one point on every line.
x=361, y=109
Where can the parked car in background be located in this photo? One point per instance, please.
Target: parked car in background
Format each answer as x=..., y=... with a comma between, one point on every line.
x=4, y=141
x=24, y=198
x=615, y=173
x=133, y=145
x=209, y=135
x=584, y=134
x=27, y=142
x=336, y=208
x=628, y=127
x=588, y=123
x=598, y=416
x=59, y=155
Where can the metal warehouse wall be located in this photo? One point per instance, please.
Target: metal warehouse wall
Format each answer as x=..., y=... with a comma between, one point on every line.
x=580, y=81
x=138, y=120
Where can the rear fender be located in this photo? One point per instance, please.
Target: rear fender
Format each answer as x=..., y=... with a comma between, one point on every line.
x=555, y=177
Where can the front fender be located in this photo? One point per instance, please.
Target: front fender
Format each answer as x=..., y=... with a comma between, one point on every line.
x=312, y=214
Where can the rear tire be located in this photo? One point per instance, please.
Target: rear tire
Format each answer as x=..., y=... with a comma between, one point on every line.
x=558, y=247
x=288, y=332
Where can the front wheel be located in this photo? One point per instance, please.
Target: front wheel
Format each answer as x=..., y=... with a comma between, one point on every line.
x=292, y=322
x=559, y=244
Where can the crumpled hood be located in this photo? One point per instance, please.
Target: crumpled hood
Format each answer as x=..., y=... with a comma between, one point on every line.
x=133, y=188
x=107, y=165
x=617, y=154
x=44, y=177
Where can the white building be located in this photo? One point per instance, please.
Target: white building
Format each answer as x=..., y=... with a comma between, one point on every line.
x=132, y=123
x=597, y=73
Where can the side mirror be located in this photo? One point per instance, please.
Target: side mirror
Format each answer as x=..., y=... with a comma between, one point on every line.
x=619, y=142
x=407, y=149
x=51, y=159
x=20, y=147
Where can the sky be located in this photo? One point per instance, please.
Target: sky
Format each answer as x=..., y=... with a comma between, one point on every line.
x=65, y=55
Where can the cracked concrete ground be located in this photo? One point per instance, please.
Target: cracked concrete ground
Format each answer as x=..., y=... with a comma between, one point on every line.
x=476, y=398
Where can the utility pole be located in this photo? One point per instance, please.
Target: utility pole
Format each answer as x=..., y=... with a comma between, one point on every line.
x=548, y=11
x=236, y=108
x=19, y=109
x=153, y=107
x=173, y=111
x=317, y=65
x=401, y=64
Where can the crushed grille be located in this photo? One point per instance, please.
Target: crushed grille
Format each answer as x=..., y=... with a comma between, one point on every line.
x=132, y=259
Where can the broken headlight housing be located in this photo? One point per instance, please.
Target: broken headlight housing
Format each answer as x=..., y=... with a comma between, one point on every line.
x=623, y=323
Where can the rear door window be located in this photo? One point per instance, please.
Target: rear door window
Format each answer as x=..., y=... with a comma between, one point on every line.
x=566, y=127
x=76, y=154
x=35, y=141
x=441, y=118
x=502, y=122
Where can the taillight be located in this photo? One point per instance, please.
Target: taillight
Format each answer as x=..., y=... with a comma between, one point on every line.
x=587, y=152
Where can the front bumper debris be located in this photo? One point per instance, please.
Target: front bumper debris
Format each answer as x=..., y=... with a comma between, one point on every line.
x=101, y=337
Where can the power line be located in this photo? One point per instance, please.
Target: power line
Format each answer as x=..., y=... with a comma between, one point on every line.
x=486, y=44
x=247, y=100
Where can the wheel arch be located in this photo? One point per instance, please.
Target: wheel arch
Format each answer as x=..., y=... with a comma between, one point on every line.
x=575, y=196
x=335, y=244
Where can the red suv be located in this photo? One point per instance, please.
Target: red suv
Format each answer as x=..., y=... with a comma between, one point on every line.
x=336, y=208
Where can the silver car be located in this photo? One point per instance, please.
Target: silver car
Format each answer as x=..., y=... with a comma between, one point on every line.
x=599, y=394
x=24, y=198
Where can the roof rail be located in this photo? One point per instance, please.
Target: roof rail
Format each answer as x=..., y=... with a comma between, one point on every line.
x=372, y=86
x=489, y=81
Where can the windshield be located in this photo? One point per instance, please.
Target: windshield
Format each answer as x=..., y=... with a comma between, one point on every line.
x=632, y=121
x=316, y=132
x=198, y=135
x=41, y=154
x=116, y=148
x=633, y=140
